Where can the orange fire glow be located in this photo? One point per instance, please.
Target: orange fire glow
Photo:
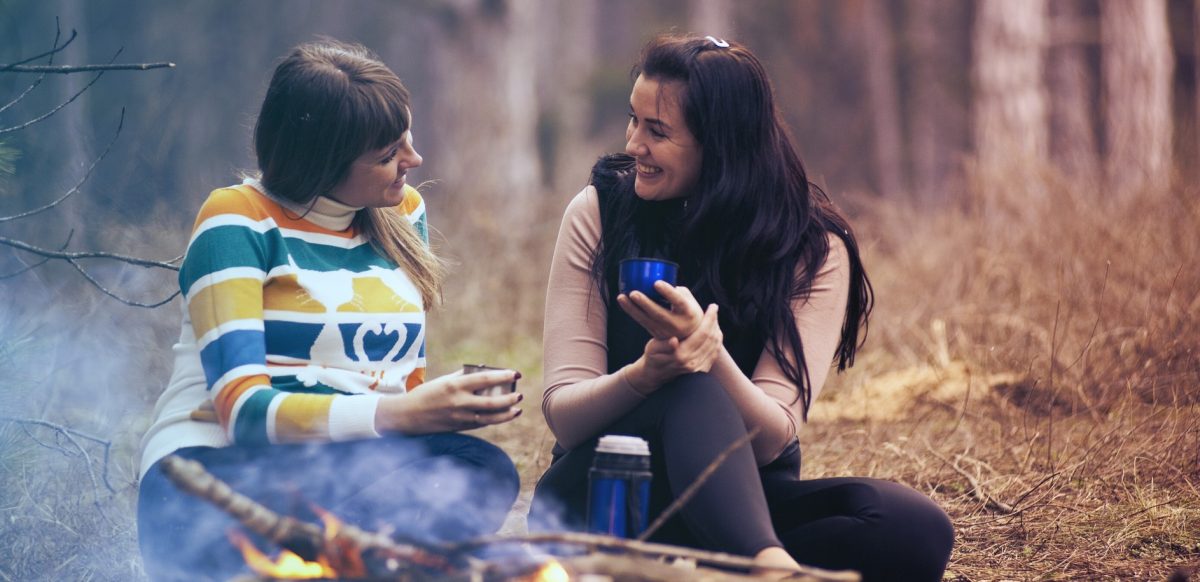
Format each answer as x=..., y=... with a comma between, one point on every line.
x=286, y=565
x=551, y=571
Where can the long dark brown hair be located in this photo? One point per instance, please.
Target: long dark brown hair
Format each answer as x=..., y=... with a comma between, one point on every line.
x=327, y=104
x=753, y=235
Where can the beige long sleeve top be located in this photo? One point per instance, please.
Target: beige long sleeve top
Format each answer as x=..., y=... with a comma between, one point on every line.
x=581, y=397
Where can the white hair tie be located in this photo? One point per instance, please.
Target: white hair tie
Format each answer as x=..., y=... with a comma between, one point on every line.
x=718, y=41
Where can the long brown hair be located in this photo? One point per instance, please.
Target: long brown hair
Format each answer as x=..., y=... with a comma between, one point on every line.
x=754, y=235
x=328, y=103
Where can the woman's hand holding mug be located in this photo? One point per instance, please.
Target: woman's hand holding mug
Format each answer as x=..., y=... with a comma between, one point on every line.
x=449, y=403
x=680, y=320
x=666, y=359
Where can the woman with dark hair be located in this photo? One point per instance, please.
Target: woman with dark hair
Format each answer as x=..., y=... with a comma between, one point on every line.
x=300, y=370
x=710, y=180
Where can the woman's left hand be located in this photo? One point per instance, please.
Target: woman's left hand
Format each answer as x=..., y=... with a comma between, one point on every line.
x=680, y=321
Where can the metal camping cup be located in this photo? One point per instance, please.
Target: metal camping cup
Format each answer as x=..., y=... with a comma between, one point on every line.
x=498, y=389
x=640, y=273
x=619, y=486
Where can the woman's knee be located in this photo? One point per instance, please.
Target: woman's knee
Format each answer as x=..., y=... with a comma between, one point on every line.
x=482, y=457
x=919, y=531
x=698, y=393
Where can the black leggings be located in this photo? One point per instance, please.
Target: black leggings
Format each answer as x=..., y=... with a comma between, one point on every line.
x=882, y=529
x=428, y=488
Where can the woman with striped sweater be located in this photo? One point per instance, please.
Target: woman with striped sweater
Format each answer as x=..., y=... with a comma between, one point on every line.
x=300, y=369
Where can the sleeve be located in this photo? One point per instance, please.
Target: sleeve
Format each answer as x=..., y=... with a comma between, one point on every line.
x=222, y=278
x=580, y=398
x=819, y=319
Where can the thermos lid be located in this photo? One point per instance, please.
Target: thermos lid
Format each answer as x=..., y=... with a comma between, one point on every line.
x=623, y=445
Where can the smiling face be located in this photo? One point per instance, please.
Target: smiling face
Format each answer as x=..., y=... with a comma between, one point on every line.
x=668, y=155
x=376, y=179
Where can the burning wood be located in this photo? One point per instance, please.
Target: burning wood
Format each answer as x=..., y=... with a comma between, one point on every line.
x=345, y=552
x=343, y=548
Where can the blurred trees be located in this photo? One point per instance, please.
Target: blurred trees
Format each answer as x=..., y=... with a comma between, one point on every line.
x=1072, y=88
x=515, y=98
x=1138, y=68
x=1010, y=96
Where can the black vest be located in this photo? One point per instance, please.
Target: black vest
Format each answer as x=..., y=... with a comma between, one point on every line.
x=613, y=177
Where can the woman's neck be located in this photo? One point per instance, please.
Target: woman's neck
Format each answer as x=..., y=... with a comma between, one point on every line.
x=323, y=211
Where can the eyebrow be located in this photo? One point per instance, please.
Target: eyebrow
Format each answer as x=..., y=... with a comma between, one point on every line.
x=654, y=120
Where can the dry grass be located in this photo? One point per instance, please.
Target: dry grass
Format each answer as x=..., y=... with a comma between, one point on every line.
x=1035, y=368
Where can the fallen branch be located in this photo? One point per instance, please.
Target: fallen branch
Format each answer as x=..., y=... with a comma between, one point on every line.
x=343, y=550
x=311, y=542
x=651, y=549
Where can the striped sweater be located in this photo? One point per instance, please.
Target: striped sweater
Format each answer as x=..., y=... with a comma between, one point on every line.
x=298, y=323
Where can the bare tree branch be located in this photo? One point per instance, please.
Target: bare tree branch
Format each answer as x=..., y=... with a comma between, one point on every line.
x=86, y=175
x=26, y=268
x=76, y=255
x=129, y=302
x=50, y=53
x=63, y=104
x=68, y=69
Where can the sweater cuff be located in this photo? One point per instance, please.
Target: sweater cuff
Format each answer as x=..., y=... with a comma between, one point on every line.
x=353, y=417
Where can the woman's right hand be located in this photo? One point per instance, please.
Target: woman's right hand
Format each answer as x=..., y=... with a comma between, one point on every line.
x=449, y=404
x=665, y=359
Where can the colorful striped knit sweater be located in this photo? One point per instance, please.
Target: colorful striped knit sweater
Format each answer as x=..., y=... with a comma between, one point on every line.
x=298, y=323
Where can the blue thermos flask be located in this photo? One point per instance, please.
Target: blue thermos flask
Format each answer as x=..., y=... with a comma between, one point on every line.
x=619, y=486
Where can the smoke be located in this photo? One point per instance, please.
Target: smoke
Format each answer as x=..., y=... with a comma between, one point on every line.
x=420, y=490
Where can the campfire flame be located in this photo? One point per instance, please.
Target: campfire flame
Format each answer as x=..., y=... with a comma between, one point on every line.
x=286, y=565
x=551, y=571
x=339, y=558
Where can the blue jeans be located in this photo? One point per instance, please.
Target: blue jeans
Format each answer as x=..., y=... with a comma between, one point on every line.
x=430, y=488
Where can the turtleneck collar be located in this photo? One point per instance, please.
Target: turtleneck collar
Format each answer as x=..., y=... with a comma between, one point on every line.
x=324, y=211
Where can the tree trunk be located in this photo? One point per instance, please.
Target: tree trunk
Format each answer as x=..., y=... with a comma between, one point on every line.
x=484, y=154
x=938, y=124
x=1137, y=65
x=1010, y=99
x=1072, y=96
x=565, y=93
x=881, y=89
x=485, y=110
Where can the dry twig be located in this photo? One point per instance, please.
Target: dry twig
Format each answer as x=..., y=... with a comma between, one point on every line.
x=70, y=434
x=691, y=489
x=50, y=53
x=977, y=490
x=68, y=69
x=596, y=541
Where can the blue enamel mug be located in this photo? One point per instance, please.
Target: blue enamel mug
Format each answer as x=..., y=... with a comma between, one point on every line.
x=639, y=274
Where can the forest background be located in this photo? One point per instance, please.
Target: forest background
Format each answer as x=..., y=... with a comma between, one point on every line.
x=1021, y=174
